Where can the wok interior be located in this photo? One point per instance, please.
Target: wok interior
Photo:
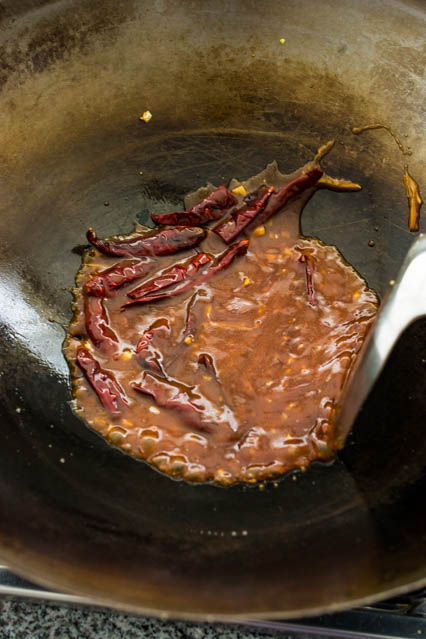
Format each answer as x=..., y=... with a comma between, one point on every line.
x=226, y=98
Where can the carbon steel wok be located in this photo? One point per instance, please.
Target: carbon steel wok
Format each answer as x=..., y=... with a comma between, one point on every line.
x=226, y=98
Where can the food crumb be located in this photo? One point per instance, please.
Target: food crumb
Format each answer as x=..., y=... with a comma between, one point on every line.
x=154, y=409
x=259, y=231
x=146, y=116
x=127, y=354
x=189, y=339
x=239, y=190
x=282, y=40
x=247, y=281
x=371, y=243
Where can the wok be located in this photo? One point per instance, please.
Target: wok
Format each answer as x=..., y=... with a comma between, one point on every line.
x=226, y=98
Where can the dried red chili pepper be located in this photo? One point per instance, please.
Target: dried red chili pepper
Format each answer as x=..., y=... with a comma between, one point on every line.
x=175, y=395
x=171, y=276
x=189, y=326
x=220, y=263
x=103, y=383
x=211, y=208
x=147, y=355
x=293, y=189
x=232, y=226
x=103, y=284
x=97, y=326
x=206, y=360
x=308, y=262
x=165, y=242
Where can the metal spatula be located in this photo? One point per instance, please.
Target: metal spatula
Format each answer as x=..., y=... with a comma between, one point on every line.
x=402, y=305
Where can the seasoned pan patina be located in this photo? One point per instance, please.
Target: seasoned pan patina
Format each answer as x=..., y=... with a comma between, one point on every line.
x=225, y=97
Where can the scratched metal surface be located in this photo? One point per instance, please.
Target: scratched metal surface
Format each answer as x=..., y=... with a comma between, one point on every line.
x=226, y=98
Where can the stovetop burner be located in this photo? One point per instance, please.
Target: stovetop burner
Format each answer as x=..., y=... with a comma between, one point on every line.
x=402, y=617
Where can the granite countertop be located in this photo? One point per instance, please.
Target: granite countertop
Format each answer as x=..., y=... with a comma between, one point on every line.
x=20, y=619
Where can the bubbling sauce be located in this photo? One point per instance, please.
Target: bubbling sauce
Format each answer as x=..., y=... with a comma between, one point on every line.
x=237, y=378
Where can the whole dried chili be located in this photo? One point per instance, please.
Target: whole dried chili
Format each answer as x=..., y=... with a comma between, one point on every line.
x=180, y=397
x=147, y=355
x=171, y=276
x=211, y=208
x=103, y=383
x=291, y=190
x=104, y=284
x=97, y=326
x=220, y=263
x=165, y=242
x=232, y=226
x=308, y=262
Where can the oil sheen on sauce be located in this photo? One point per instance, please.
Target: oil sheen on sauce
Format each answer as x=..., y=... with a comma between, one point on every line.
x=262, y=350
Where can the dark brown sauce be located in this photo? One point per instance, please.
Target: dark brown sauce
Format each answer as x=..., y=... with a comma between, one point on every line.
x=262, y=351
